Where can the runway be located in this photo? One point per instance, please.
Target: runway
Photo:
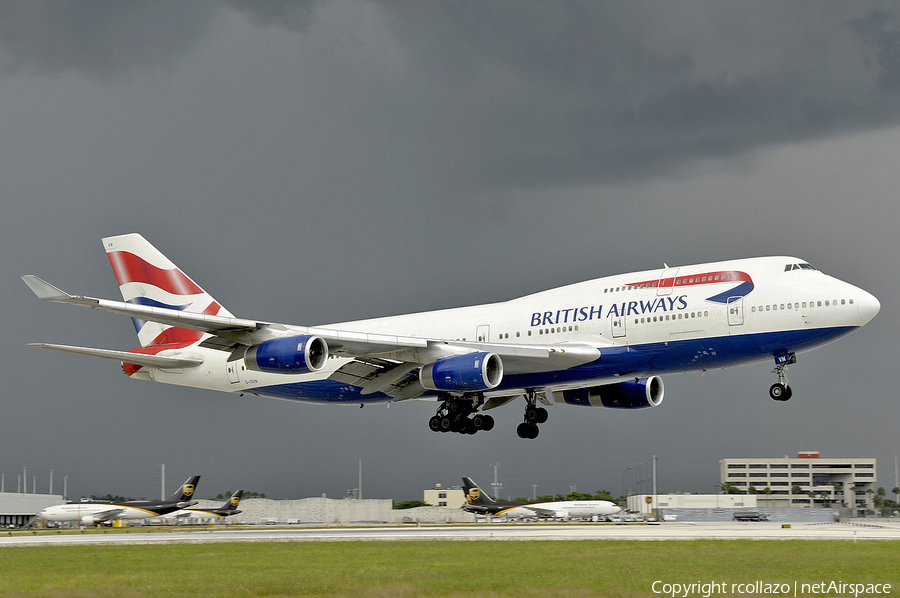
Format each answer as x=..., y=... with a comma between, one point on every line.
x=505, y=532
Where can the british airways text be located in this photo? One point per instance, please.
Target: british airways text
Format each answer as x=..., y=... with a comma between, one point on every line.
x=626, y=308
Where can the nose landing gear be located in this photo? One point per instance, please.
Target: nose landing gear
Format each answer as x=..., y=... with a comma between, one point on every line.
x=781, y=391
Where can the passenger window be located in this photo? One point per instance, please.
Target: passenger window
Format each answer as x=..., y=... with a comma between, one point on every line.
x=819, y=304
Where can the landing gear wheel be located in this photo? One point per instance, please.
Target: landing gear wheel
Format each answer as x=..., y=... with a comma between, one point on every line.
x=778, y=391
x=487, y=423
x=542, y=415
x=788, y=393
x=527, y=430
x=446, y=424
x=434, y=424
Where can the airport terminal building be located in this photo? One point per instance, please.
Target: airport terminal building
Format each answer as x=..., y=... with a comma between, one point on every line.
x=18, y=508
x=805, y=481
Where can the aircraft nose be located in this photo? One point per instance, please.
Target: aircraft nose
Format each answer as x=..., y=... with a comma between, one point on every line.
x=867, y=305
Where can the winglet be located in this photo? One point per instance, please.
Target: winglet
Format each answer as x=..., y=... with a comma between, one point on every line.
x=44, y=290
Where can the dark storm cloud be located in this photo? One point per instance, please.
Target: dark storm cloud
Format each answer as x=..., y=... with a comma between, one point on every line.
x=551, y=93
x=587, y=92
x=101, y=38
x=317, y=162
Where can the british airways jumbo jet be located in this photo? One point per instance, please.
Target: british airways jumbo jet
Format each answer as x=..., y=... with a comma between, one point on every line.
x=599, y=343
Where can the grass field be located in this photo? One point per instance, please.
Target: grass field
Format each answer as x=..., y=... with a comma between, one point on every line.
x=519, y=569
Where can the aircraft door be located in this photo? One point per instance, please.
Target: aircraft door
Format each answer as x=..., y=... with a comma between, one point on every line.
x=231, y=368
x=666, y=283
x=735, y=311
x=618, y=326
x=483, y=333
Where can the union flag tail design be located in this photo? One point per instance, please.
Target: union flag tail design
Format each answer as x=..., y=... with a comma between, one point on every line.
x=147, y=277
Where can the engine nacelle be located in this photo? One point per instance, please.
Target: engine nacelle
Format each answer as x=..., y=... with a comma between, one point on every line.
x=646, y=392
x=470, y=372
x=291, y=355
x=90, y=520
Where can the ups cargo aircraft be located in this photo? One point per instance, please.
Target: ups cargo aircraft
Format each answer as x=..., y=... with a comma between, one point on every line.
x=94, y=512
x=599, y=343
x=480, y=503
x=228, y=508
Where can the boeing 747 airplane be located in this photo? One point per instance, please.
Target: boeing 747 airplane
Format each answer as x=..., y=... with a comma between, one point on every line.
x=600, y=343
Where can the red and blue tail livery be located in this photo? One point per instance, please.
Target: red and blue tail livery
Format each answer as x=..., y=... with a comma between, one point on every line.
x=605, y=342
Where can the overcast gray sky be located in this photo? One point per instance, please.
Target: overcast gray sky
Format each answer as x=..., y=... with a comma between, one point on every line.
x=313, y=162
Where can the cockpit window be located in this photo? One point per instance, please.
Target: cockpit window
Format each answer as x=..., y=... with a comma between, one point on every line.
x=791, y=267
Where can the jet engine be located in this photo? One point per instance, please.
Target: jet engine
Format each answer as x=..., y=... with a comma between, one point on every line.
x=469, y=372
x=646, y=392
x=291, y=355
x=90, y=520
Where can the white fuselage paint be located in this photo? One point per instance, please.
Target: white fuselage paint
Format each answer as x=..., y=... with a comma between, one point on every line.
x=778, y=301
x=77, y=511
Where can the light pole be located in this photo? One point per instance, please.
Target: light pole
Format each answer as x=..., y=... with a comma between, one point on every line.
x=496, y=485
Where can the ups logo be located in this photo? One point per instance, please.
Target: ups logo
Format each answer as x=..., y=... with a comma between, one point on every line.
x=473, y=495
x=187, y=489
x=235, y=501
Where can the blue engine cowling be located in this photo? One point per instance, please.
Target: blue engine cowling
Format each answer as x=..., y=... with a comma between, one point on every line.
x=470, y=372
x=646, y=392
x=291, y=355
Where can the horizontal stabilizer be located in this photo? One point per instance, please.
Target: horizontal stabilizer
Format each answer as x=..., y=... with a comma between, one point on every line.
x=154, y=361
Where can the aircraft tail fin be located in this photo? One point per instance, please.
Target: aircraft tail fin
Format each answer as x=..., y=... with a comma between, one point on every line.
x=232, y=502
x=147, y=277
x=185, y=492
x=474, y=495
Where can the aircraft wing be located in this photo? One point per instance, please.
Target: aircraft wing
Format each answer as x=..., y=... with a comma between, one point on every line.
x=238, y=331
x=108, y=514
x=540, y=512
x=517, y=358
x=157, y=361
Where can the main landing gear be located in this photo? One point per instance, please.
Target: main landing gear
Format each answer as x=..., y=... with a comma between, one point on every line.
x=454, y=416
x=781, y=391
x=534, y=415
